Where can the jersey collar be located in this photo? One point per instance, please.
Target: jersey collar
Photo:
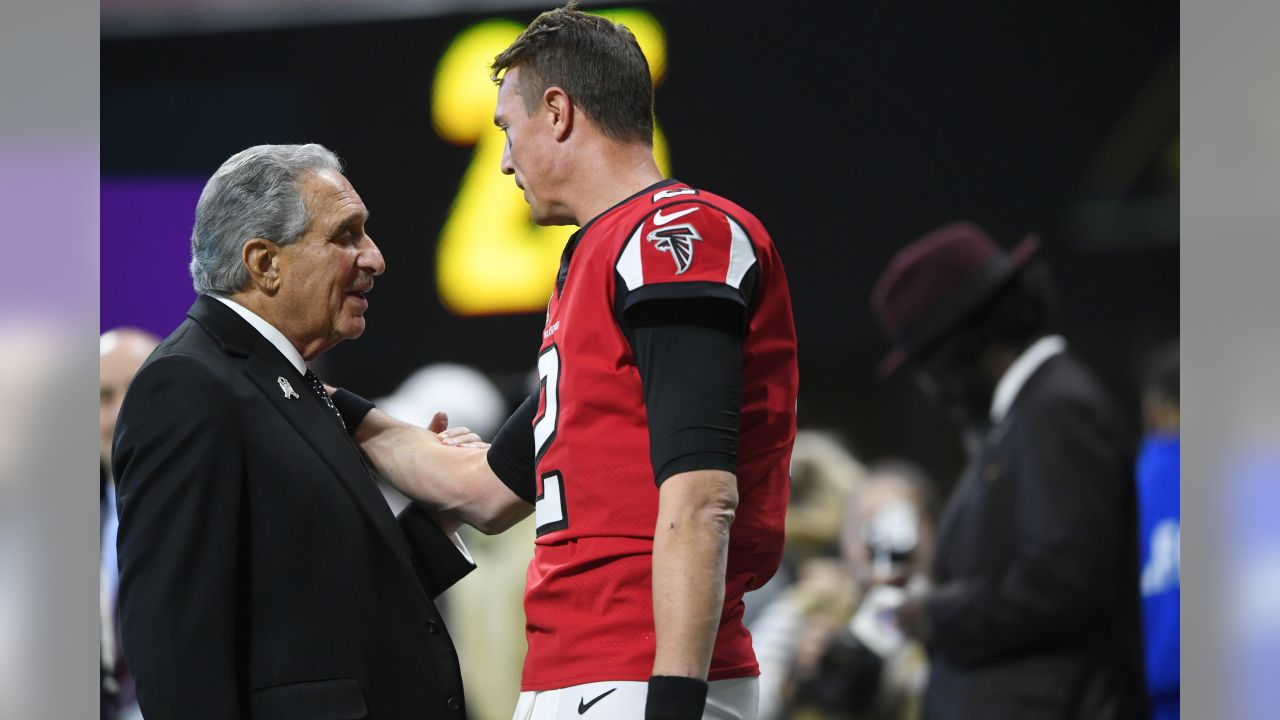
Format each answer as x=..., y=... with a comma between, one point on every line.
x=572, y=244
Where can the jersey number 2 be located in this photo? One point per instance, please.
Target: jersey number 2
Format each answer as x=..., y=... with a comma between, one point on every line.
x=550, y=511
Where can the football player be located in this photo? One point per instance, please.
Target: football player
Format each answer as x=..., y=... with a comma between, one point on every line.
x=655, y=451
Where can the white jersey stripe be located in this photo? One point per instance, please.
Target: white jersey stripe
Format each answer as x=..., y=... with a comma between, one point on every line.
x=629, y=265
x=741, y=255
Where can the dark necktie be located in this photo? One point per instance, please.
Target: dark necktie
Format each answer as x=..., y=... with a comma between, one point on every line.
x=318, y=388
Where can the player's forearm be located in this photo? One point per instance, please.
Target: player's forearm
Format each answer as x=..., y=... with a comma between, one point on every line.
x=452, y=481
x=690, y=551
x=399, y=452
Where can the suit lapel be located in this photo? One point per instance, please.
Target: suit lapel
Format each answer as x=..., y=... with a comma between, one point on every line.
x=317, y=426
x=314, y=422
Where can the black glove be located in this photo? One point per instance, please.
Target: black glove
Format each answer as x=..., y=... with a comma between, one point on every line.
x=675, y=698
x=351, y=407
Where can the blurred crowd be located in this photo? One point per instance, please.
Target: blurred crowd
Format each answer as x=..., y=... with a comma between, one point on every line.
x=1045, y=584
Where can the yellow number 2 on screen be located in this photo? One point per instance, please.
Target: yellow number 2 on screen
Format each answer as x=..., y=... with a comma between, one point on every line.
x=491, y=259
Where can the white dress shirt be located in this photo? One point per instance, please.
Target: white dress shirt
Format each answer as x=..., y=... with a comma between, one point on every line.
x=268, y=331
x=1020, y=371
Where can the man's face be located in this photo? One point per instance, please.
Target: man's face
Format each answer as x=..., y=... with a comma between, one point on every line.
x=325, y=274
x=120, y=354
x=528, y=152
x=952, y=375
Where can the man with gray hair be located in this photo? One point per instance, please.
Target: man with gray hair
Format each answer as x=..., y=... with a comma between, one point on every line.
x=261, y=573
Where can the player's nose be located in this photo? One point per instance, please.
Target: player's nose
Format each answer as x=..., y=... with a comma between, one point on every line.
x=507, y=167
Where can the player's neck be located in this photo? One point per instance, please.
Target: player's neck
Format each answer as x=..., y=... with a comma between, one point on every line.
x=619, y=172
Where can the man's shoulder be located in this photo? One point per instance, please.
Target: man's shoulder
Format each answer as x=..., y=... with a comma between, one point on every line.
x=181, y=382
x=189, y=352
x=729, y=207
x=1064, y=379
x=1066, y=390
x=664, y=200
x=188, y=339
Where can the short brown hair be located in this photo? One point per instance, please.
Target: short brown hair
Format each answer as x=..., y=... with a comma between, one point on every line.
x=597, y=63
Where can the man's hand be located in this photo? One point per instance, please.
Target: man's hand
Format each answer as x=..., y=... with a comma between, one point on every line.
x=913, y=618
x=454, y=437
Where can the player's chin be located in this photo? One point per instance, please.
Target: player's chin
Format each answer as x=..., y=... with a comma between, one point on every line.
x=546, y=217
x=536, y=212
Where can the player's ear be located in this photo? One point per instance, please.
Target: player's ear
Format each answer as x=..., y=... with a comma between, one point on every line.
x=560, y=112
x=261, y=258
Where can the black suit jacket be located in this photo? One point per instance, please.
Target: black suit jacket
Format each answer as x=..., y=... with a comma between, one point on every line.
x=262, y=574
x=1036, y=610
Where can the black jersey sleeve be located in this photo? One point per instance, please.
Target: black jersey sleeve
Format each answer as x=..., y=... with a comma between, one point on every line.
x=689, y=355
x=510, y=455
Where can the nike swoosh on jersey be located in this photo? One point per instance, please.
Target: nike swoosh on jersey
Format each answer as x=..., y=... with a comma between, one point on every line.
x=582, y=708
x=660, y=219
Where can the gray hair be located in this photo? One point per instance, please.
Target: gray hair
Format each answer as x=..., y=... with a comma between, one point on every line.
x=254, y=194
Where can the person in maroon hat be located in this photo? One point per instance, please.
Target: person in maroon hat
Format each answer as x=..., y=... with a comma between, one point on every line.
x=1033, y=612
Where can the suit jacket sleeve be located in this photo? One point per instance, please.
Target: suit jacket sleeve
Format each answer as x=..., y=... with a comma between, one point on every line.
x=178, y=458
x=438, y=561
x=1070, y=478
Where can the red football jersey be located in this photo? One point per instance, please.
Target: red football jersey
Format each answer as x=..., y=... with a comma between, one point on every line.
x=588, y=601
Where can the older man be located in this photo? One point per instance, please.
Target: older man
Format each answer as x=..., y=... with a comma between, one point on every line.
x=262, y=574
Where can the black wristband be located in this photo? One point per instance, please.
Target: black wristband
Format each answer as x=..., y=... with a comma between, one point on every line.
x=675, y=698
x=351, y=407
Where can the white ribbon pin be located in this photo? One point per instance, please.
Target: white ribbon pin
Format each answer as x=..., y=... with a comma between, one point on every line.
x=287, y=389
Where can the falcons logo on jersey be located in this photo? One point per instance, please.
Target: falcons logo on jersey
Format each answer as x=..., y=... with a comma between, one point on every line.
x=677, y=240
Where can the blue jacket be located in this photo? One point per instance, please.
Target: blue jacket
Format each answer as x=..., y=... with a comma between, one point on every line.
x=1159, y=528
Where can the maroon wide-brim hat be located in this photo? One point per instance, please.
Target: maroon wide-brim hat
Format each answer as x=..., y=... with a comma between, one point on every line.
x=934, y=283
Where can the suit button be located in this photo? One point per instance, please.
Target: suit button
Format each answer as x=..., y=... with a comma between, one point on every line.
x=454, y=704
x=433, y=627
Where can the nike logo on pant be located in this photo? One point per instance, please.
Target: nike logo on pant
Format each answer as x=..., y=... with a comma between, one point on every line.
x=583, y=707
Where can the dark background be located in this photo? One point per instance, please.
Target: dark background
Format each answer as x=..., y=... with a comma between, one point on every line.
x=848, y=129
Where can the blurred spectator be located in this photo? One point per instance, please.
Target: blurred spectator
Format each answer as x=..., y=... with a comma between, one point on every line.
x=466, y=394
x=486, y=613
x=859, y=666
x=810, y=588
x=1034, y=613
x=120, y=353
x=1160, y=533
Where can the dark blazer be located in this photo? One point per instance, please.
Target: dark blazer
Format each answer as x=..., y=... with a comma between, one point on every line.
x=262, y=574
x=1036, y=610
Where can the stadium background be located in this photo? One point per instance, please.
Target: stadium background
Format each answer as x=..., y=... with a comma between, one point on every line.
x=847, y=128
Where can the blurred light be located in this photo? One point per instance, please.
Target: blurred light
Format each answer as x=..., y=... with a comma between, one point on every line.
x=491, y=258
x=462, y=97
x=648, y=32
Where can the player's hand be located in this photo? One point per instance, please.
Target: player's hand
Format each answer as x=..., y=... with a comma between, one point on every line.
x=454, y=437
x=461, y=437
